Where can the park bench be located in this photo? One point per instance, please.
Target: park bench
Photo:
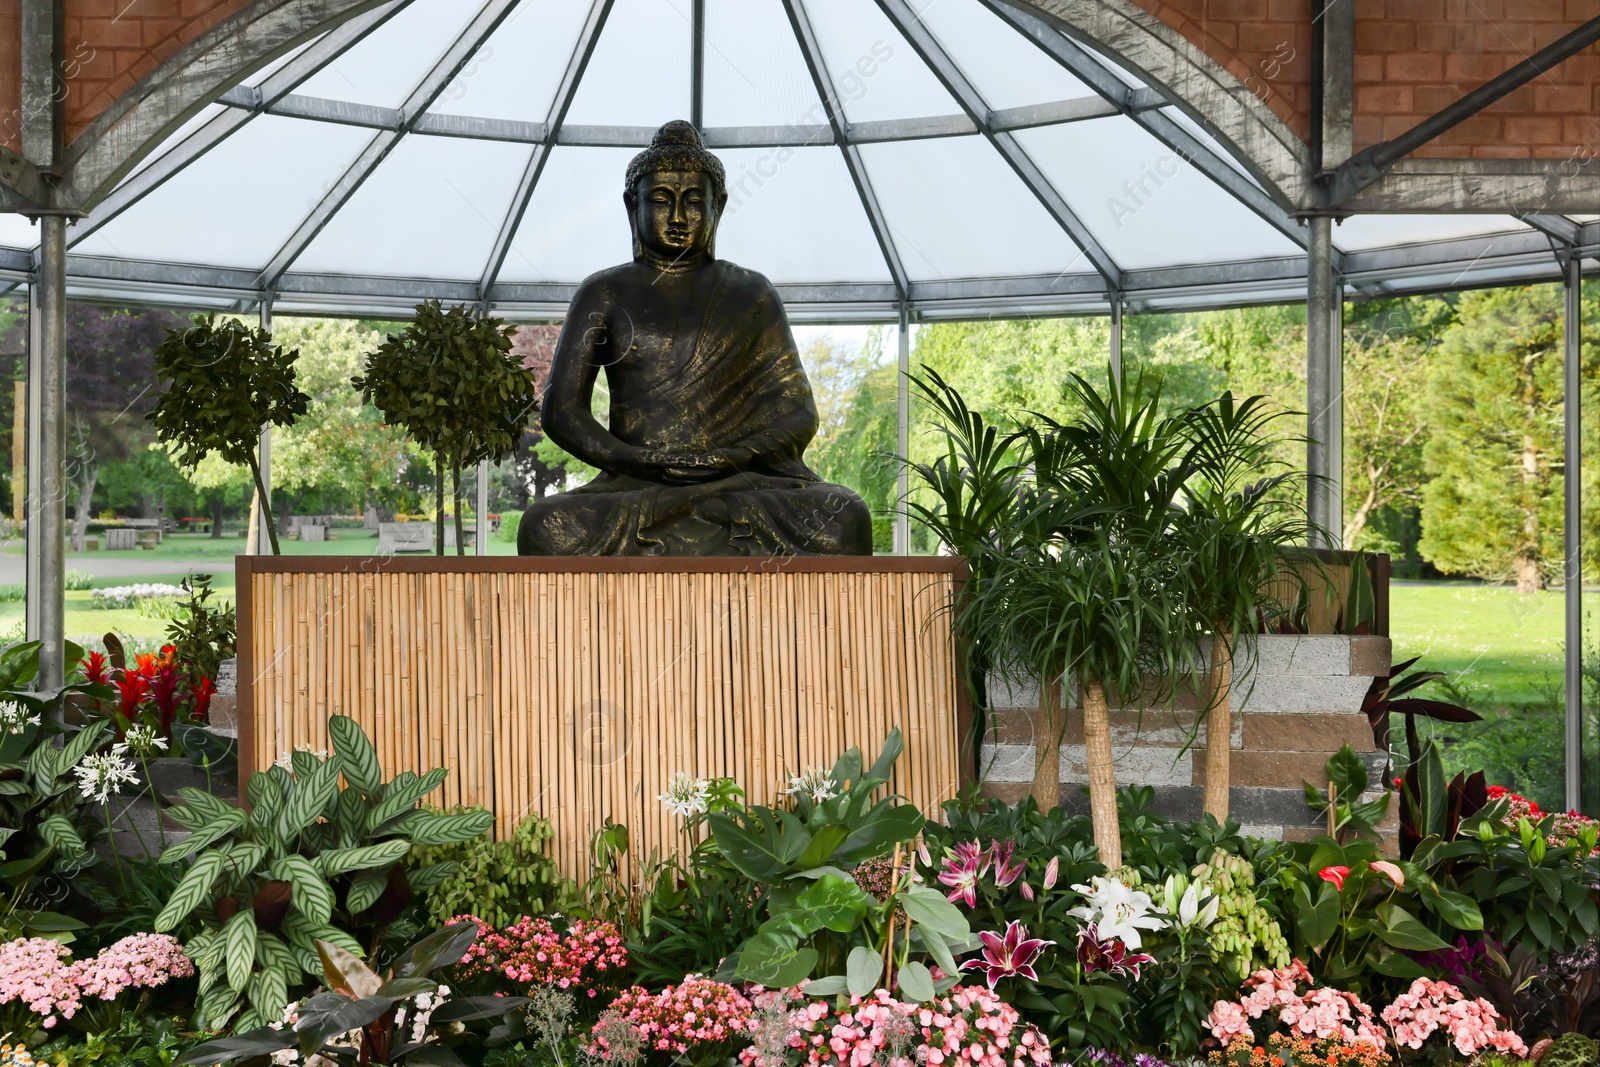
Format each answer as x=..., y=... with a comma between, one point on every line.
x=404, y=537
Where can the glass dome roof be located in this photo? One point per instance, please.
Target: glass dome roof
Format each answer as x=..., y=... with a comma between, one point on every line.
x=955, y=154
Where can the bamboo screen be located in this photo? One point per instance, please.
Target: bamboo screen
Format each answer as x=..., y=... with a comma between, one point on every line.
x=574, y=689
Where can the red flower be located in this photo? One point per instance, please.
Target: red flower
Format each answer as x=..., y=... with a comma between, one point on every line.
x=1336, y=875
x=94, y=668
x=202, y=693
x=164, y=692
x=134, y=688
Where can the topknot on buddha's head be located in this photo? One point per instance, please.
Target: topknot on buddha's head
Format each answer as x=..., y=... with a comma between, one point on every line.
x=676, y=146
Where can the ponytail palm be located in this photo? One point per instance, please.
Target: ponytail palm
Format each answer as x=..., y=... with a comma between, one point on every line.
x=1237, y=521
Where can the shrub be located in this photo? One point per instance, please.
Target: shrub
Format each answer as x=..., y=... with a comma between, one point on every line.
x=497, y=881
x=509, y=521
x=78, y=580
x=308, y=863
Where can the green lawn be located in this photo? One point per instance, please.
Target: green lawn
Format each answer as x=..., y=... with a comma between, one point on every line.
x=190, y=548
x=1502, y=647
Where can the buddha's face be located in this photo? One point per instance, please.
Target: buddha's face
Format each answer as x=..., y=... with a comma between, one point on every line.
x=675, y=213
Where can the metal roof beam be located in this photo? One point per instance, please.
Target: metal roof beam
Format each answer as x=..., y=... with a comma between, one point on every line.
x=817, y=65
x=1557, y=227
x=599, y=10
x=455, y=57
x=945, y=69
x=273, y=88
x=1157, y=123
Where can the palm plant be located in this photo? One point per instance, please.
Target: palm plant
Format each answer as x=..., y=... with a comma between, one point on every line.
x=1235, y=525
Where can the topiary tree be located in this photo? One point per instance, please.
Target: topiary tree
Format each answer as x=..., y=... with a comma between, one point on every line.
x=225, y=381
x=450, y=381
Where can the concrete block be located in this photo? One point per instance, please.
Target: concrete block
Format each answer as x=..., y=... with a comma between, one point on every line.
x=1371, y=657
x=1272, y=695
x=1306, y=732
x=121, y=539
x=227, y=680
x=1295, y=654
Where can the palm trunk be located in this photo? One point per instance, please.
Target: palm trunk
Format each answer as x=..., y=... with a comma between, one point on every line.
x=1219, y=728
x=1102, y=776
x=438, y=505
x=266, y=506
x=455, y=485
x=1046, y=790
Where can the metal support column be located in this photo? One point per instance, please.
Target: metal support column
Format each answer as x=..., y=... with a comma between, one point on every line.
x=902, y=518
x=1572, y=499
x=482, y=508
x=264, y=454
x=1321, y=355
x=1116, y=337
x=47, y=516
x=33, y=455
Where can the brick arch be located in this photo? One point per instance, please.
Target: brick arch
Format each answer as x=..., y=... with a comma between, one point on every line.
x=1176, y=57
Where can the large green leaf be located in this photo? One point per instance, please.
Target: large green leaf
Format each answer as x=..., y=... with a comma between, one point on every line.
x=762, y=843
x=774, y=960
x=862, y=970
x=915, y=982
x=357, y=758
x=884, y=827
x=431, y=828
x=192, y=890
x=382, y=854
x=402, y=795
x=442, y=948
x=1400, y=929
x=308, y=891
x=929, y=908
x=239, y=935
x=206, y=836
x=58, y=832
x=365, y=889
x=835, y=903
x=312, y=793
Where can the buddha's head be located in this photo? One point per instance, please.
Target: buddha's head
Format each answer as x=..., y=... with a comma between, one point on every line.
x=675, y=194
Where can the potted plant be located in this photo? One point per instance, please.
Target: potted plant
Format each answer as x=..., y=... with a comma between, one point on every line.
x=450, y=381
x=225, y=381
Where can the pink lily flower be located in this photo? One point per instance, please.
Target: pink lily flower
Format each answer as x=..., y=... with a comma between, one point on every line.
x=1010, y=956
x=961, y=872
x=1006, y=869
x=1110, y=955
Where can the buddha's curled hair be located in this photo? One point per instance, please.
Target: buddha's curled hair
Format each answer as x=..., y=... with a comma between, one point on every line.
x=676, y=146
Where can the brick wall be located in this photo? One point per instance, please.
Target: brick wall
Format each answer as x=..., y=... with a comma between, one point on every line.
x=11, y=74
x=110, y=44
x=1412, y=58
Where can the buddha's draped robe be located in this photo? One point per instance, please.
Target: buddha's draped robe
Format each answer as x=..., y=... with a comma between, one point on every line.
x=732, y=378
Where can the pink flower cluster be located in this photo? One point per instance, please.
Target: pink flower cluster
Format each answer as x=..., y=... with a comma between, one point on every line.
x=40, y=974
x=140, y=961
x=695, y=1013
x=532, y=952
x=34, y=972
x=968, y=1027
x=1430, y=1006
x=1317, y=1013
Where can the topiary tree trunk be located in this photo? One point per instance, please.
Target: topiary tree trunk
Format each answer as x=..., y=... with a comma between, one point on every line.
x=455, y=485
x=438, y=504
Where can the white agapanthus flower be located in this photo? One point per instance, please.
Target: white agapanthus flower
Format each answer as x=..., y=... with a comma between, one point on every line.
x=14, y=718
x=815, y=783
x=286, y=761
x=143, y=740
x=686, y=795
x=1118, y=911
x=102, y=776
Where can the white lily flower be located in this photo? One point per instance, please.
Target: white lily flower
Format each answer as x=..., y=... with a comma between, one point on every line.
x=144, y=741
x=816, y=783
x=14, y=718
x=686, y=795
x=1118, y=911
x=101, y=777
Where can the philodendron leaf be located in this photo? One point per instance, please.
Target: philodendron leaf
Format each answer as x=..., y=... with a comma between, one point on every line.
x=862, y=970
x=835, y=903
x=916, y=983
x=831, y=986
x=930, y=908
x=774, y=960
